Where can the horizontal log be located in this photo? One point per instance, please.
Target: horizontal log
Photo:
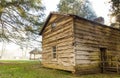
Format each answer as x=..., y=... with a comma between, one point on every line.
x=58, y=28
x=57, y=66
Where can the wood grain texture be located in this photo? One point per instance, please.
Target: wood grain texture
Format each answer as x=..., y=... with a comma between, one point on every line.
x=78, y=43
x=89, y=38
x=61, y=37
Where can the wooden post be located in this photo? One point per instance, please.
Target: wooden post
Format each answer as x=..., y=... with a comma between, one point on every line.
x=30, y=56
x=34, y=56
x=117, y=64
x=117, y=68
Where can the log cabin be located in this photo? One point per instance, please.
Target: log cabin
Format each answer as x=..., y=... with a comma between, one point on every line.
x=81, y=46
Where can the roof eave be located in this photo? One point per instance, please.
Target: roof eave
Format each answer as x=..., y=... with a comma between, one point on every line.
x=45, y=23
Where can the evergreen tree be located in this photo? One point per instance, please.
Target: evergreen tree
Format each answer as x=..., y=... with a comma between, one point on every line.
x=20, y=20
x=115, y=7
x=115, y=10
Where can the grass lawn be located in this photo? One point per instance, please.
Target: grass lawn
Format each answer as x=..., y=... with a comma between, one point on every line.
x=33, y=69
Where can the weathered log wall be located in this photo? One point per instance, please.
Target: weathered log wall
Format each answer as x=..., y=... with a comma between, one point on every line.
x=89, y=38
x=62, y=37
x=78, y=43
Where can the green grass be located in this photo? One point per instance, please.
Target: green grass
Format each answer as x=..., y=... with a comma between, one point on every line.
x=33, y=69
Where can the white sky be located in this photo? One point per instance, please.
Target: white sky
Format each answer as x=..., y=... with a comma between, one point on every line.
x=100, y=7
x=50, y=5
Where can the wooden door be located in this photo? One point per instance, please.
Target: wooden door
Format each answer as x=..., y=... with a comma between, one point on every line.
x=103, y=57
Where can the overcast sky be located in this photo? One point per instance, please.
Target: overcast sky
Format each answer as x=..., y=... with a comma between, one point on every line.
x=101, y=7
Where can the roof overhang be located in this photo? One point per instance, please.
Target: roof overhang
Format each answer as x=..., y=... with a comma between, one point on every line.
x=49, y=16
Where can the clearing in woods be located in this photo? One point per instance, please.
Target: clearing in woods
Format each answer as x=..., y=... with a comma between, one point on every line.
x=33, y=69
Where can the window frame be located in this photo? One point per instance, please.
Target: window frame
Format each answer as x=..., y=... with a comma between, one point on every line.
x=54, y=52
x=53, y=25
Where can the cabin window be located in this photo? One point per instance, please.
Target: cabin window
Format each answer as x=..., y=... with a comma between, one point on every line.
x=54, y=52
x=53, y=25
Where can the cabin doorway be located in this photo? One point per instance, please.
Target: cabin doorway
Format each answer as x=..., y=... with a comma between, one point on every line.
x=103, y=57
